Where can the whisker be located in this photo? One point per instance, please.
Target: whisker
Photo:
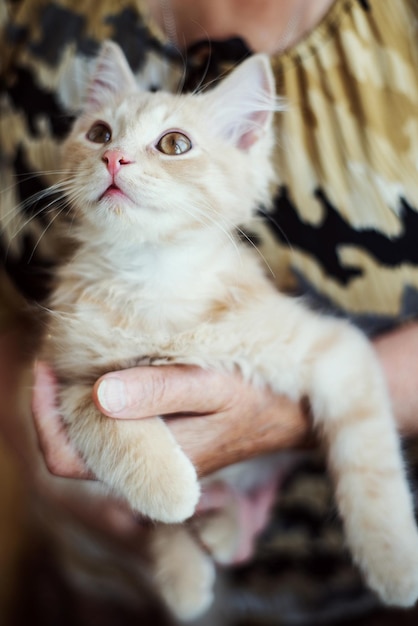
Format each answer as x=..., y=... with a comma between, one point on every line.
x=183, y=56
x=18, y=212
x=257, y=249
x=24, y=178
x=266, y=215
x=60, y=186
x=215, y=80
x=226, y=230
x=43, y=233
x=216, y=221
x=199, y=87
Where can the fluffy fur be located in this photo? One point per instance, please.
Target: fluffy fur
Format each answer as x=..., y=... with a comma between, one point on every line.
x=160, y=277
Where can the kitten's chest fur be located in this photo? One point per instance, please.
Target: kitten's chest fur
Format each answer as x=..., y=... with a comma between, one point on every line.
x=128, y=307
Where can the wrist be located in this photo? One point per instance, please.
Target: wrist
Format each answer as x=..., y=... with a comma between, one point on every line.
x=398, y=355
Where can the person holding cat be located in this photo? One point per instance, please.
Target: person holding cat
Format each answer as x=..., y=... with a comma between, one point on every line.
x=343, y=227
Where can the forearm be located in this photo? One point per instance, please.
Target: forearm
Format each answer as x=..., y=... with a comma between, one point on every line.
x=398, y=354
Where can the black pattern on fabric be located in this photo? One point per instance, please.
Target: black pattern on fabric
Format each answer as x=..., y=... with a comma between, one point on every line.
x=323, y=240
x=42, y=102
x=59, y=27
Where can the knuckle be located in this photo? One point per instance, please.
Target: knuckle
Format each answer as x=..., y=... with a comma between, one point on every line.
x=157, y=388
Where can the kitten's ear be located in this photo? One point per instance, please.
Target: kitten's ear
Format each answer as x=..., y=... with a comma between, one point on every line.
x=244, y=102
x=112, y=75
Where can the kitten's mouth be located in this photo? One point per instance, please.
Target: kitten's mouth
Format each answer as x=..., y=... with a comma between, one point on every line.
x=112, y=190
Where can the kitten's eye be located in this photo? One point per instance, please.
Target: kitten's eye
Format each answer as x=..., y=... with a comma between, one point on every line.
x=174, y=143
x=99, y=133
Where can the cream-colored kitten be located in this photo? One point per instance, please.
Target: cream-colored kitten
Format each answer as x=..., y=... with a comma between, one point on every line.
x=158, y=184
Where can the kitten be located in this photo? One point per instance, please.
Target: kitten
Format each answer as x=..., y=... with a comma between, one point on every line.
x=158, y=184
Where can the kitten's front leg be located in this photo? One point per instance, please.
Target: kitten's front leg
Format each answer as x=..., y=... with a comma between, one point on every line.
x=302, y=354
x=138, y=459
x=352, y=409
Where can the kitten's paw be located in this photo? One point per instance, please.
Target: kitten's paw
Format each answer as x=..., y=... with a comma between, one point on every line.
x=397, y=581
x=219, y=533
x=399, y=585
x=189, y=593
x=167, y=491
x=184, y=574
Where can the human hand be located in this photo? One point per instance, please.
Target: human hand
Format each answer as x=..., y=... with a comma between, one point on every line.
x=232, y=420
x=209, y=438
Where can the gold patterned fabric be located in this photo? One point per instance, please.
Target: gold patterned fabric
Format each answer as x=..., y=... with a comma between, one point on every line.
x=347, y=159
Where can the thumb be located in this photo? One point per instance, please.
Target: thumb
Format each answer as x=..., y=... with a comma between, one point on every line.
x=142, y=392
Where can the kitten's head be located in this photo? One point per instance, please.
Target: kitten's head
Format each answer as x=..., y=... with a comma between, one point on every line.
x=155, y=164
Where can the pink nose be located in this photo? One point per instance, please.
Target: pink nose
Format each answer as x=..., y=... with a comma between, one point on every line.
x=114, y=159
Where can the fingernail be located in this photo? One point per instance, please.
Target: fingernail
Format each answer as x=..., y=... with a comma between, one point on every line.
x=111, y=395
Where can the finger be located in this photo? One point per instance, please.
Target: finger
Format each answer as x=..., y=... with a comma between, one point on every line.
x=246, y=531
x=213, y=497
x=262, y=500
x=253, y=515
x=254, y=511
x=60, y=457
x=143, y=392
